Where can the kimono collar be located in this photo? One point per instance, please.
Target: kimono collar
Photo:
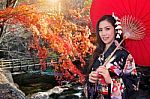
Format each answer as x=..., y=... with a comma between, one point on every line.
x=109, y=50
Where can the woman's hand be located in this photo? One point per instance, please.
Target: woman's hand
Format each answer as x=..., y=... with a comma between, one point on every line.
x=102, y=70
x=93, y=77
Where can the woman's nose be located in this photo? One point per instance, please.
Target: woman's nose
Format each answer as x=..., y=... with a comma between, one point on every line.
x=103, y=33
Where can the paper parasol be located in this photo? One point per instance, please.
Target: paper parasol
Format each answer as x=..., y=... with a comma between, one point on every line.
x=135, y=16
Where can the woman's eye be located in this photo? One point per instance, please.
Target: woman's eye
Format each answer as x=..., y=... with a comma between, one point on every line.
x=100, y=30
x=107, y=28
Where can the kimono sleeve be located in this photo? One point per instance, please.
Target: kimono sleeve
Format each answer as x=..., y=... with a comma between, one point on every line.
x=129, y=77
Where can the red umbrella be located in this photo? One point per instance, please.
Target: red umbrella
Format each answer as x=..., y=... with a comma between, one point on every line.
x=134, y=14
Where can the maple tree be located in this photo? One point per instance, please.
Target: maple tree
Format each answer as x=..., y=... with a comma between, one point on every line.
x=67, y=35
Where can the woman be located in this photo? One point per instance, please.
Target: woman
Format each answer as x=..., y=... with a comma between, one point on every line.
x=118, y=78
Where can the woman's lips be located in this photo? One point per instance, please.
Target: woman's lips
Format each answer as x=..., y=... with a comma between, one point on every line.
x=105, y=38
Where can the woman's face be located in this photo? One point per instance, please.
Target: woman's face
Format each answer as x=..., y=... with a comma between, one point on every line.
x=106, y=32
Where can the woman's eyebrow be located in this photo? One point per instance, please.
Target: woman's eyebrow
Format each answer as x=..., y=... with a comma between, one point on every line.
x=107, y=26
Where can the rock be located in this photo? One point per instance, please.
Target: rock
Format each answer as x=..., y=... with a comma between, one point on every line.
x=8, y=90
x=3, y=78
x=45, y=95
x=40, y=95
x=8, y=75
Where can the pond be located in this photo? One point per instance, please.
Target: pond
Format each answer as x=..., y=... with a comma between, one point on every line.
x=31, y=84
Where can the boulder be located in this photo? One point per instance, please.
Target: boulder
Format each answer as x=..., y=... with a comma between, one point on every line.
x=8, y=90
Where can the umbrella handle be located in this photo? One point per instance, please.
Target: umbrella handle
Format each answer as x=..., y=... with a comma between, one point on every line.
x=110, y=56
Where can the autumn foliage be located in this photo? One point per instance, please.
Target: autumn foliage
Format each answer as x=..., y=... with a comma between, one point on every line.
x=68, y=35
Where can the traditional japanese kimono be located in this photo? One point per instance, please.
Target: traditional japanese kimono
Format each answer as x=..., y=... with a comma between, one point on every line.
x=123, y=74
